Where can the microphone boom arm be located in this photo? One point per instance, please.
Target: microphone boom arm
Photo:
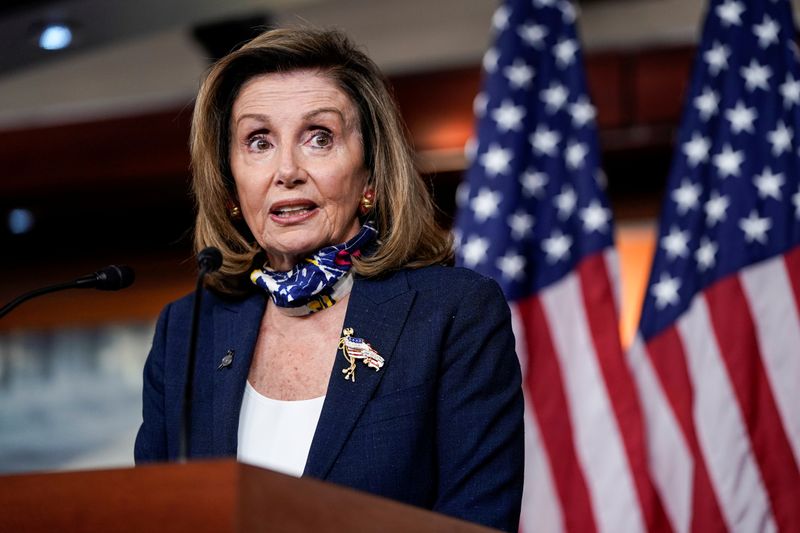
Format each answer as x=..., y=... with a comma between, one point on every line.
x=34, y=293
x=110, y=278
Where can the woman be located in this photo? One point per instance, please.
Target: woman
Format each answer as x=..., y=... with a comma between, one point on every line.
x=332, y=343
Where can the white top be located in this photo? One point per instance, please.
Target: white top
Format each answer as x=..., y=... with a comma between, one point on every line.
x=276, y=434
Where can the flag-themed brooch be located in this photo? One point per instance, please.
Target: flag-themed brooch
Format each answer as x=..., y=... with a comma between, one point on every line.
x=355, y=348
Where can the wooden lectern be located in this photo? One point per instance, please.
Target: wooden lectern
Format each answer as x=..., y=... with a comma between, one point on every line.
x=198, y=497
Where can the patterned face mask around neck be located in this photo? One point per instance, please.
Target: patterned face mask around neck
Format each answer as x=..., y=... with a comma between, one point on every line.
x=316, y=282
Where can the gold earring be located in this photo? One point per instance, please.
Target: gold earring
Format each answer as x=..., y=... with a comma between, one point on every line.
x=367, y=202
x=234, y=211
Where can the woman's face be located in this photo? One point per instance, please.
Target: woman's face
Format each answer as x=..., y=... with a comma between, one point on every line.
x=298, y=164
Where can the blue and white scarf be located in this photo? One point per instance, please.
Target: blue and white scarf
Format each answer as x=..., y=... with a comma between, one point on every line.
x=317, y=282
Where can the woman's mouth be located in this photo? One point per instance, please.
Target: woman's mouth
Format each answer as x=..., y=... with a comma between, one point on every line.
x=292, y=212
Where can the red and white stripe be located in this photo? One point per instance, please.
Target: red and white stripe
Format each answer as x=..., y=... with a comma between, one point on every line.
x=720, y=392
x=587, y=467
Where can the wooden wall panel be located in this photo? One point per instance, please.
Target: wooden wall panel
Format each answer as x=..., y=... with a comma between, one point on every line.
x=437, y=106
x=660, y=79
x=629, y=89
x=94, y=154
x=606, y=76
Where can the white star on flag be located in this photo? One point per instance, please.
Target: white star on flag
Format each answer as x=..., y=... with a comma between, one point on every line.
x=508, y=116
x=490, y=59
x=462, y=194
x=582, y=112
x=564, y=51
x=706, y=254
x=707, y=103
x=755, y=228
x=511, y=266
x=567, y=11
x=687, y=196
x=545, y=141
x=767, y=32
x=756, y=76
x=796, y=202
x=533, y=183
x=717, y=58
x=519, y=74
x=470, y=149
x=496, y=160
x=521, y=224
x=790, y=90
x=557, y=246
x=479, y=104
x=575, y=154
x=741, y=117
x=457, y=236
x=730, y=13
x=533, y=34
x=728, y=161
x=769, y=184
x=474, y=251
x=595, y=217
x=696, y=149
x=500, y=18
x=715, y=208
x=666, y=291
x=565, y=202
x=676, y=243
x=554, y=97
x=485, y=204
x=780, y=138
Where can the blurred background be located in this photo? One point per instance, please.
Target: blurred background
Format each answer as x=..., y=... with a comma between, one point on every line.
x=94, y=170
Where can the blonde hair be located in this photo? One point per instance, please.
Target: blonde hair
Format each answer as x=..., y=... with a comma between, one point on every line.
x=403, y=208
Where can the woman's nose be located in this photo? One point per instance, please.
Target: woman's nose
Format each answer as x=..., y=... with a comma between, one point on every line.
x=290, y=172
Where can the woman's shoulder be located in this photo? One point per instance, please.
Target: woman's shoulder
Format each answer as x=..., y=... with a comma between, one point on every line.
x=454, y=281
x=181, y=308
x=445, y=274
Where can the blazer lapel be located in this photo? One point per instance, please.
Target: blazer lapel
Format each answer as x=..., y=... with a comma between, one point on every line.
x=235, y=332
x=377, y=312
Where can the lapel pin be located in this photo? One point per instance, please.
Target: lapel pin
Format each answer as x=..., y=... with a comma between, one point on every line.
x=227, y=360
x=355, y=348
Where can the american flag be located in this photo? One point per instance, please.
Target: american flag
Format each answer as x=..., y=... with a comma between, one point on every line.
x=717, y=355
x=533, y=215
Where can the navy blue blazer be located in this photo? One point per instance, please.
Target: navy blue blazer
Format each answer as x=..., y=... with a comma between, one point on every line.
x=439, y=426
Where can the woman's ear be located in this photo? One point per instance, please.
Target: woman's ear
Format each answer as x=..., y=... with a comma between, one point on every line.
x=367, y=200
x=232, y=207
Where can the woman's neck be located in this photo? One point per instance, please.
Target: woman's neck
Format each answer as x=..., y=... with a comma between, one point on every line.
x=294, y=354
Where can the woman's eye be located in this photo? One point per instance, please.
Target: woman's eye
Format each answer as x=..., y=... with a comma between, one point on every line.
x=257, y=144
x=321, y=139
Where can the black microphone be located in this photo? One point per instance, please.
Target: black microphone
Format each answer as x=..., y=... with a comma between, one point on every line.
x=110, y=278
x=208, y=260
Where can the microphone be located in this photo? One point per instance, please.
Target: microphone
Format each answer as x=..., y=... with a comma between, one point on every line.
x=208, y=260
x=110, y=278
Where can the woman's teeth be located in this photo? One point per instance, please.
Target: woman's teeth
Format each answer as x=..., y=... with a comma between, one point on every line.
x=288, y=211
